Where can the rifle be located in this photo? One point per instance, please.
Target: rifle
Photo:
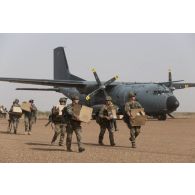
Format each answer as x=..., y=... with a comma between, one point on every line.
x=50, y=120
x=47, y=123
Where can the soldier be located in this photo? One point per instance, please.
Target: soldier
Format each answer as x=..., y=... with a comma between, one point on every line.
x=114, y=119
x=14, y=116
x=134, y=131
x=106, y=121
x=73, y=125
x=58, y=119
x=3, y=112
x=30, y=117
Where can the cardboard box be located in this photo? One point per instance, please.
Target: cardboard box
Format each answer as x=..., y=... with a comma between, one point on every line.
x=84, y=113
x=17, y=110
x=2, y=110
x=114, y=114
x=26, y=106
x=119, y=117
x=138, y=117
x=60, y=108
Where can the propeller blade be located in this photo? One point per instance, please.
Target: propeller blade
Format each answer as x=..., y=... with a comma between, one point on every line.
x=170, y=76
x=111, y=81
x=101, y=86
x=93, y=93
x=96, y=77
x=105, y=93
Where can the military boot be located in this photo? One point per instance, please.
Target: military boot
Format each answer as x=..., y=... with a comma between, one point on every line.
x=81, y=149
x=133, y=145
x=69, y=150
x=101, y=143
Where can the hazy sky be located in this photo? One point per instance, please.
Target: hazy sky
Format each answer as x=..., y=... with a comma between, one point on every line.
x=134, y=57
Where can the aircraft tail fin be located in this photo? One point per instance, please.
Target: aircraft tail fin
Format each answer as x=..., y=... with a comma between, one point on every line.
x=61, y=69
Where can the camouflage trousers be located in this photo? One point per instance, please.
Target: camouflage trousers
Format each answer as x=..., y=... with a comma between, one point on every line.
x=134, y=132
x=60, y=129
x=70, y=130
x=13, y=124
x=102, y=132
x=28, y=123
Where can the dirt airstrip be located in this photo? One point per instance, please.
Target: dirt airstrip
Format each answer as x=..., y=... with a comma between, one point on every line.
x=160, y=141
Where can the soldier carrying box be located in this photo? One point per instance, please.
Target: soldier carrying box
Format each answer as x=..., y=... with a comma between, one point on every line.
x=15, y=114
x=30, y=115
x=107, y=117
x=74, y=124
x=129, y=118
x=59, y=120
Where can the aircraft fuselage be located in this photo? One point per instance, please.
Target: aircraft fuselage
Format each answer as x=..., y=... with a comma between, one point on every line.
x=155, y=98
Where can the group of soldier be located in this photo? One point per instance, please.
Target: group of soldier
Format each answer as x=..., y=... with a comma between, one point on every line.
x=64, y=120
x=29, y=117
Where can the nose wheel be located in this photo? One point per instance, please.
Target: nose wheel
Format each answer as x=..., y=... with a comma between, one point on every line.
x=162, y=117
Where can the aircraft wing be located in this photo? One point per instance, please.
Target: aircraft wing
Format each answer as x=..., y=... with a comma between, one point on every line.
x=183, y=85
x=45, y=82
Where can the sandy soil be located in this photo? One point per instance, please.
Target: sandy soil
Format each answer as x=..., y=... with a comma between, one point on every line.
x=160, y=141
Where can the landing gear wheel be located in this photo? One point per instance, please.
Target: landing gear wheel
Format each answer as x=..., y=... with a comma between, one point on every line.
x=162, y=117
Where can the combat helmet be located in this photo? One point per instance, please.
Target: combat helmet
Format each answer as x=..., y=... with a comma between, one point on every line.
x=31, y=100
x=16, y=101
x=131, y=94
x=108, y=98
x=63, y=99
x=75, y=97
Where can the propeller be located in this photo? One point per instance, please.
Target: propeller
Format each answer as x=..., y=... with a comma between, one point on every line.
x=101, y=86
x=170, y=83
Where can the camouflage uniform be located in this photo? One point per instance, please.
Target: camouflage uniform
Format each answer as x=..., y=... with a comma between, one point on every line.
x=30, y=117
x=105, y=123
x=114, y=120
x=14, y=118
x=3, y=112
x=134, y=130
x=73, y=125
x=60, y=123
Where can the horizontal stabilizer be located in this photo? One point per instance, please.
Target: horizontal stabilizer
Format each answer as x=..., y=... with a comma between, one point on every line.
x=168, y=83
x=54, y=83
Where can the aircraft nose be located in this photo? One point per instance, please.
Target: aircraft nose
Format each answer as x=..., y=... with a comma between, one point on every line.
x=172, y=103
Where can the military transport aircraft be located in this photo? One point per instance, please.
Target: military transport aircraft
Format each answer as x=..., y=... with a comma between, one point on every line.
x=157, y=99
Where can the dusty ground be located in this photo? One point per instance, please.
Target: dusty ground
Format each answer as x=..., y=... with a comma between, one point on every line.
x=167, y=141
